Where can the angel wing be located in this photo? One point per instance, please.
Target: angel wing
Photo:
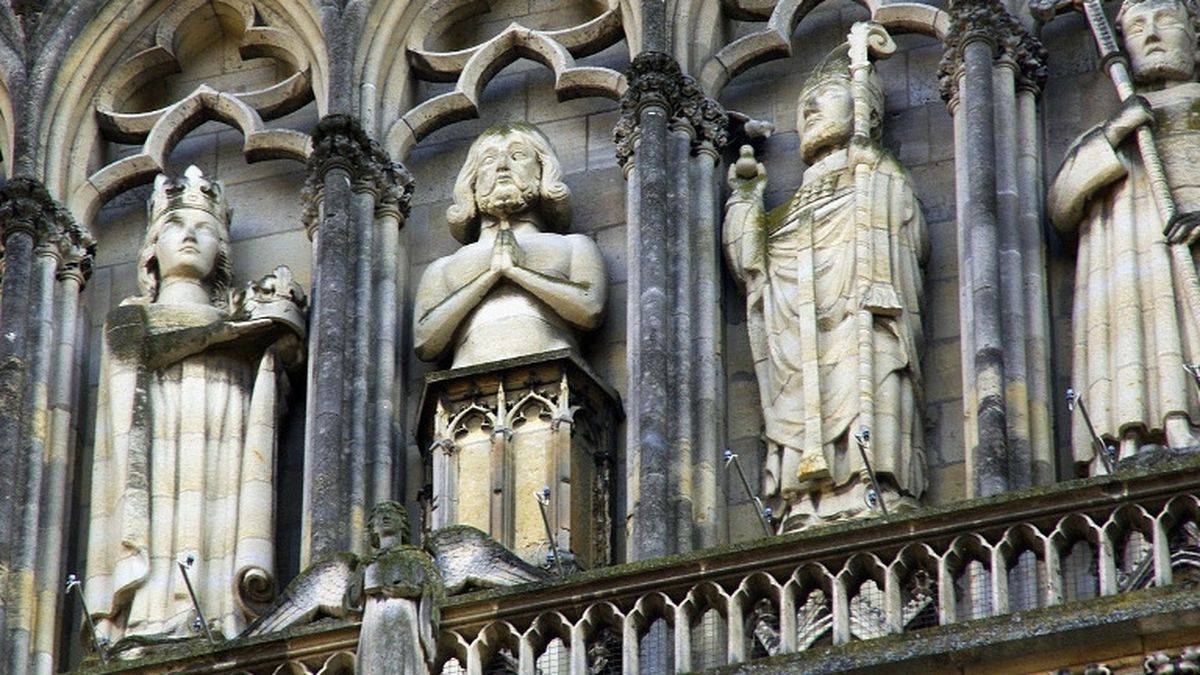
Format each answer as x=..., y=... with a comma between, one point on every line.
x=470, y=559
x=319, y=589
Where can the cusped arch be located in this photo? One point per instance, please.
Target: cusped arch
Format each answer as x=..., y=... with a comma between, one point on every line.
x=472, y=69
x=70, y=129
x=774, y=41
x=204, y=104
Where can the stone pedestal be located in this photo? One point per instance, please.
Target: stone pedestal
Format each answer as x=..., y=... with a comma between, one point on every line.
x=498, y=433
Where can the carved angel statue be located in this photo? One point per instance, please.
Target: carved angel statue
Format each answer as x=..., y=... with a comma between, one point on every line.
x=397, y=589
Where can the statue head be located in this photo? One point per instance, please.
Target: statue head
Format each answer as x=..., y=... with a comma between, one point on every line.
x=825, y=110
x=388, y=519
x=188, y=236
x=1160, y=39
x=511, y=169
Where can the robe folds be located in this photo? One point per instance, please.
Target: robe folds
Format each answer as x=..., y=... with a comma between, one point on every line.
x=1136, y=297
x=184, y=466
x=800, y=265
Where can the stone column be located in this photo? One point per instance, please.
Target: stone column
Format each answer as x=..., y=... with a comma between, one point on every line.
x=1000, y=246
x=56, y=495
x=667, y=141
x=349, y=176
x=39, y=239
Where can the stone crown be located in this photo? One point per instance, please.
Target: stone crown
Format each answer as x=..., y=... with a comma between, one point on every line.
x=189, y=191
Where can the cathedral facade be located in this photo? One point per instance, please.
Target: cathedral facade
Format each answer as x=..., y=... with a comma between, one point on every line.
x=599, y=336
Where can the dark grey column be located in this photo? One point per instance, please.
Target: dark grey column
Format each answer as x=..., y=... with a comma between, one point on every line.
x=349, y=177
x=989, y=56
x=673, y=322
x=38, y=237
x=653, y=82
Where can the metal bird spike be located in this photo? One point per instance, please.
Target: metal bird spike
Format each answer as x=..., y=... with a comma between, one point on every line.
x=763, y=512
x=74, y=584
x=183, y=568
x=1193, y=370
x=1075, y=402
x=863, y=439
x=543, y=499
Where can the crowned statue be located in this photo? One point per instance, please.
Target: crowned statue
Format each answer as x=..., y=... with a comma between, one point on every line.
x=1136, y=322
x=518, y=285
x=833, y=287
x=192, y=382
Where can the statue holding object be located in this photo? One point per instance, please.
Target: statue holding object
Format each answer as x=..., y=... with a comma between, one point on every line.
x=192, y=381
x=833, y=286
x=1131, y=197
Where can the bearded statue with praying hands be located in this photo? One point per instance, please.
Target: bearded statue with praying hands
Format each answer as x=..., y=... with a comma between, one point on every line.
x=518, y=286
x=191, y=388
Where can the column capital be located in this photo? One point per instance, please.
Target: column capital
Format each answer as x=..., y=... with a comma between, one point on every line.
x=655, y=79
x=340, y=142
x=27, y=206
x=990, y=22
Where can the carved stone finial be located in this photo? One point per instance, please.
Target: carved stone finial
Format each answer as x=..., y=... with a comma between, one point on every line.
x=656, y=79
x=339, y=141
x=990, y=21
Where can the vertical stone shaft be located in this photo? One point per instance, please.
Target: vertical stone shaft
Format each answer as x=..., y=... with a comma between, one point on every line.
x=977, y=218
x=326, y=500
x=36, y=407
x=710, y=379
x=654, y=530
x=388, y=337
x=15, y=317
x=1012, y=273
x=55, y=493
x=682, y=290
x=1037, y=312
x=362, y=457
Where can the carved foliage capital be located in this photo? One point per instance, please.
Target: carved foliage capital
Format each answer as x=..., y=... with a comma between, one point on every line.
x=655, y=79
x=339, y=142
x=26, y=206
x=990, y=22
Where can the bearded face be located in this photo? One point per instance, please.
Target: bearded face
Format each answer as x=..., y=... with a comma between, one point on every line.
x=1160, y=41
x=826, y=119
x=508, y=177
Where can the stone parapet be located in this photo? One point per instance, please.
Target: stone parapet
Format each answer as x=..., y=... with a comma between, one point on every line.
x=913, y=592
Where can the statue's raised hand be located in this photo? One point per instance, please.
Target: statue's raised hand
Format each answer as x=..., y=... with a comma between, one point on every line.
x=747, y=176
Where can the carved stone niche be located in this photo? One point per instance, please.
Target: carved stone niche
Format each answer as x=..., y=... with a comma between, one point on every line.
x=497, y=434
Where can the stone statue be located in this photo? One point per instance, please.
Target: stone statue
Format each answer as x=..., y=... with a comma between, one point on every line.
x=398, y=589
x=517, y=286
x=833, y=300
x=1136, y=320
x=191, y=388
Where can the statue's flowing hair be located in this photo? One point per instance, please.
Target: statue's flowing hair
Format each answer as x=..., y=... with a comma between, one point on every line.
x=553, y=195
x=218, y=282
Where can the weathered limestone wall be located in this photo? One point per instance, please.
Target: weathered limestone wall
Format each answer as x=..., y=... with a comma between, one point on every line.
x=918, y=130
